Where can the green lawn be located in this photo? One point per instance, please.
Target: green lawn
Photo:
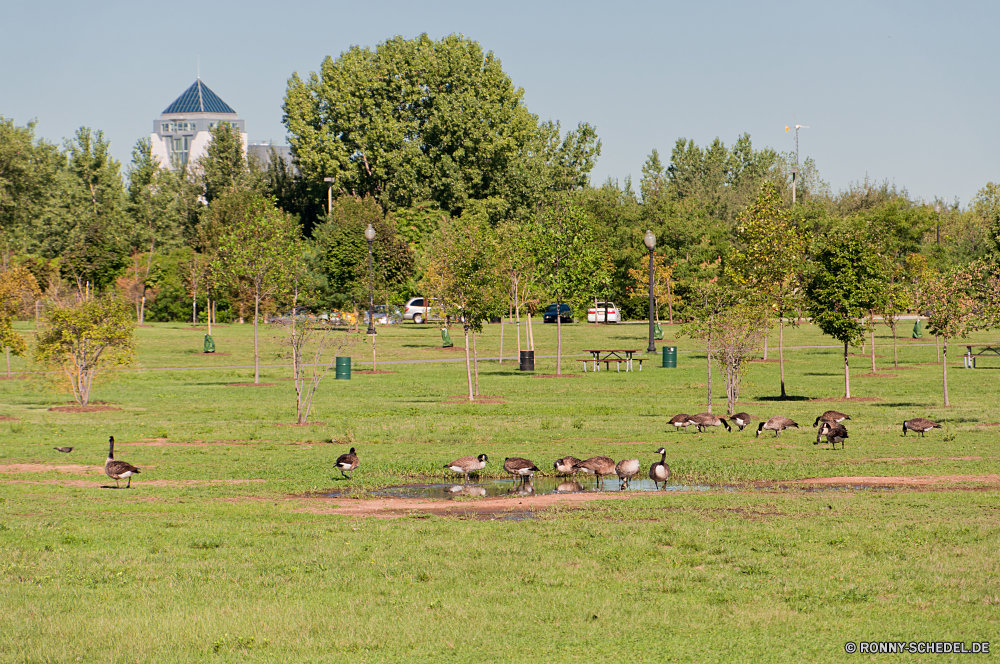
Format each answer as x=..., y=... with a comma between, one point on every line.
x=218, y=553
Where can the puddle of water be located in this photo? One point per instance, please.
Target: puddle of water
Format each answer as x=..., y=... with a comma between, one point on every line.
x=539, y=486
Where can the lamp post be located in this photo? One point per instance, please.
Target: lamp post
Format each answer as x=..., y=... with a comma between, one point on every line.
x=937, y=208
x=650, y=241
x=370, y=236
x=329, y=194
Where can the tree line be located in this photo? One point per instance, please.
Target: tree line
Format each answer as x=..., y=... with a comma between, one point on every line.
x=481, y=205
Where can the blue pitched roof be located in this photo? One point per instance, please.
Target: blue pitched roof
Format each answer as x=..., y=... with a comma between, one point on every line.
x=199, y=99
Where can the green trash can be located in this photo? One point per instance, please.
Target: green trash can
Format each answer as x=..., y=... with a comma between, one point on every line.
x=446, y=341
x=658, y=332
x=670, y=357
x=917, y=334
x=209, y=344
x=343, y=368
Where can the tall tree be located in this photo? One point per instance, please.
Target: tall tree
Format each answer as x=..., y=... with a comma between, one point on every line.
x=256, y=255
x=769, y=260
x=224, y=166
x=847, y=280
x=416, y=120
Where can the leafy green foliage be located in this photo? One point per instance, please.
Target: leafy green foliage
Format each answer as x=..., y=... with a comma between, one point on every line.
x=84, y=339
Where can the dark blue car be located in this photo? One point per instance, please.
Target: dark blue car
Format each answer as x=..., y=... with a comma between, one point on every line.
x=565, y=314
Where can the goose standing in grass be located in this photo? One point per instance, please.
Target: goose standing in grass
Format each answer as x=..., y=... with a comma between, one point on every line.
x=835, y=433
x=831, y=416
x=599, y=466
x=921, y=425
x=660, y=471
x=520, y=468
x=346, y=462
x=466, y=465
x=777, y=424
x=626, y=470
x=741, y=420
x=681, y=421
x=703, y=420
x=565, y=465
x=118, y=470
x=64, y=450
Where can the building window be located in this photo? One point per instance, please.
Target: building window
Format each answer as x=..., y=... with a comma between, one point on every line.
x=179, y=148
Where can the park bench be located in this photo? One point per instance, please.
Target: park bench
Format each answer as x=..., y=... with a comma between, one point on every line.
x=985, y=349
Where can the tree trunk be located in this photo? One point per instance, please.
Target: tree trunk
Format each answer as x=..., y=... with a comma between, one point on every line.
x=468, y=363
x=256, y=348
x=765, y=348
x=847, y=375
x=895, y=347
x=596, y=320
x=517, y=327
x=142, y=308
x=558, y=337
x=709, y=369
x=873, y=346
x=475, y=360
x=6, y=350
x=937, y=344
x=501, y=339
x=531, y=334
x=374, y=356
x=781, y=353
x=944, y=371
x=194, y=309
x=670, y=303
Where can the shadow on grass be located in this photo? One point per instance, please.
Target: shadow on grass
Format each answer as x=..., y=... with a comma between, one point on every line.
x=905, y=404
x=784, y=398
x=808, y=373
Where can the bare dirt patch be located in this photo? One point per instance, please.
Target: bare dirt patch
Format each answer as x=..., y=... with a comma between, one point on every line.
x=215, y=353
x=465, y=399
x=4, y=418
x=760, y=360
x=394, y=508
x=13, y=377
x=878, y=375
x=558, y=375
x=371, y=371
x=851, y=399
x=77, y=469
x=303, y=424
x=82, y=409
x=250, y=384
x=924, y=480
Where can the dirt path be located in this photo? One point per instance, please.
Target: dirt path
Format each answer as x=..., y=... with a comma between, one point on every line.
x=900, y=481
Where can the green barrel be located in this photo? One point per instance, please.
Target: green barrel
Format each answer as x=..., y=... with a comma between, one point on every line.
x=343, y=368
x=209, y=346
x=670, y=357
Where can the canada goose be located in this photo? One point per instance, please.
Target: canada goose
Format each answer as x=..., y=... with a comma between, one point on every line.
x=598, y=466
x=521, y=468
x=660, y=471
x=525, y=488
x=831, y=416
x=466, y=465
x=564, y=466
x=65, y=450
x=118, y=470
x=835, y=433
x=741, y=420
x=777, y=424
x=347, y=462
x=626, y=470
x=681, y=421
x=708, y=420
x=920, y=424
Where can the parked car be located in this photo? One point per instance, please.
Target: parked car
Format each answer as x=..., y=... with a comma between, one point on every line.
x=565, y=314
x=384, y=315
x=606, y=312
x=421, y=309
x=299, y=313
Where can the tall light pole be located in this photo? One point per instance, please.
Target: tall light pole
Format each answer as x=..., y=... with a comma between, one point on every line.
x=329, y=195
x=795, y=169
x=937, y=208
x=370, y=236
x=650, y=241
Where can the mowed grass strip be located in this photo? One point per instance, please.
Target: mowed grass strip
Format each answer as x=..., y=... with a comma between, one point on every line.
x=217, y=553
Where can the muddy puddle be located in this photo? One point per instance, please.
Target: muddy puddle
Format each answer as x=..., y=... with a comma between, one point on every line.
x=505, y=488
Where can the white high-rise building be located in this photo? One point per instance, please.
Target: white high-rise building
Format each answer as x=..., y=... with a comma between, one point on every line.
x=181, y=134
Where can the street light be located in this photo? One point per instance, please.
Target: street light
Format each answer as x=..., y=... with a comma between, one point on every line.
x=370, y=236
x=937, y=208
x=329, y=194
x=650, y=241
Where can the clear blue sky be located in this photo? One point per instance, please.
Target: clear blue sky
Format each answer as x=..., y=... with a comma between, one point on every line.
x=904, y=91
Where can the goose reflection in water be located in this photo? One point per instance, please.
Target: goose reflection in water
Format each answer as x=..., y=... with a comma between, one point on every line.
x=467, y=490
x=569, y=487
x=525, y=488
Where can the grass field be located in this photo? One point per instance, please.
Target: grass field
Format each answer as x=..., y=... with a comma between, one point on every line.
x=226, y=550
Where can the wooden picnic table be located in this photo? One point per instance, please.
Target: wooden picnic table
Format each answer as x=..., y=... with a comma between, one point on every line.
x=986, y=348
x=616, y=355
